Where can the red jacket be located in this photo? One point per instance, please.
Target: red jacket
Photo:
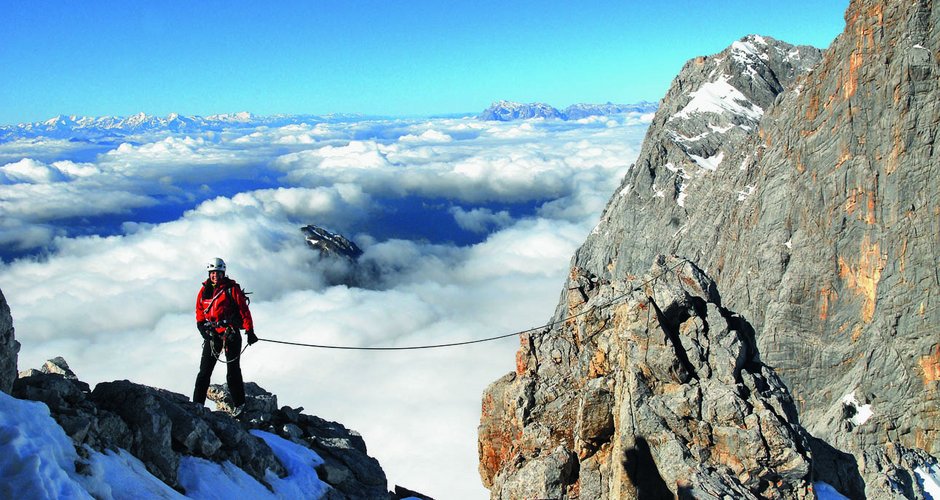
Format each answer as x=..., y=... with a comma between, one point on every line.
x=215, y=304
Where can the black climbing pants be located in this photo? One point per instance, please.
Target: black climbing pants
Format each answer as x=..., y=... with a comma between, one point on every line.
x=233, y=348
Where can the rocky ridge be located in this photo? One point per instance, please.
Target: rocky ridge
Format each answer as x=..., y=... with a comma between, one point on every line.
x=649, y=389
x=160, y=427
x=800, y=181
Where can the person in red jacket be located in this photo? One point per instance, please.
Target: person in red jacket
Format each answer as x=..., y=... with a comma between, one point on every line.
x=221, y=310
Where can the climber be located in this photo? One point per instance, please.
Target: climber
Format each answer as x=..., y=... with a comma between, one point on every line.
x=221, y=310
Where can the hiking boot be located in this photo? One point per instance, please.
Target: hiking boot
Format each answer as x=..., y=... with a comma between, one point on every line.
x=236, y=411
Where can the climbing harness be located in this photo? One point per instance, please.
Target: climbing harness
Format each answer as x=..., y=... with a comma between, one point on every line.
x=229, y=330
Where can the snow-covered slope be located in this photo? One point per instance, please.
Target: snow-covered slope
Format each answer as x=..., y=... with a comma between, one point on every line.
x=37, y=460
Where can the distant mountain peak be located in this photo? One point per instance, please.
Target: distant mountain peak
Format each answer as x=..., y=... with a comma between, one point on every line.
x=330, y=244
x=239, y=117
x=505, y=111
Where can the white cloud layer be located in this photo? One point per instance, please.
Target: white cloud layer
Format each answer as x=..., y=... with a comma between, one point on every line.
x=121, y=306
x=479, y=220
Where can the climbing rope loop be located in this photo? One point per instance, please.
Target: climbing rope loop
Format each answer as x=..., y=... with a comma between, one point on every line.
x=229, y=330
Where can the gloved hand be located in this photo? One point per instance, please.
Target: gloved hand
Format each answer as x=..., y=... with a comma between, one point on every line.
x=252, y=338
x=204, y=330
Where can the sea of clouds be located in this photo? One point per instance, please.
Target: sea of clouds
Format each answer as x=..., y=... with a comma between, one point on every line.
x=469, y=225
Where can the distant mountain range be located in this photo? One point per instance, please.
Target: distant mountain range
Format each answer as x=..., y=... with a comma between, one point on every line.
x=116, y=127
x=505, y=111
x=111, y=127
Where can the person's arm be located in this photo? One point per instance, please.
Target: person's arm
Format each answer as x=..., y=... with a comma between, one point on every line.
x=242, y=302
x=201, y=316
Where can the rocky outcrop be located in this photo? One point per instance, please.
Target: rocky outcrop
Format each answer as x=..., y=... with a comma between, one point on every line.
x=339, y=258
x=852, y=307
x=329, y=244
x=819, y=222
x=648, y=388
x=160, y=427
x=9, y=347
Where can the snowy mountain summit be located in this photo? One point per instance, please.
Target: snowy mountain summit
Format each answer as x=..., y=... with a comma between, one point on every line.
x=61, y=439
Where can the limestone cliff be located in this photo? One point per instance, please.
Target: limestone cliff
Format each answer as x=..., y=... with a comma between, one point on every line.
x=650, y=389
x=805, y=186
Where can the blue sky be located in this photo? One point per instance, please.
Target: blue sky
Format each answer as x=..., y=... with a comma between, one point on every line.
x=388, y=58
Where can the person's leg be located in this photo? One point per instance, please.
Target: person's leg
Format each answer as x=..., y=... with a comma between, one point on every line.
x=236, y=386
x=206, y=365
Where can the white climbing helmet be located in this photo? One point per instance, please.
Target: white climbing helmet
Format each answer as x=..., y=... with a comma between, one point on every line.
x=216, y=264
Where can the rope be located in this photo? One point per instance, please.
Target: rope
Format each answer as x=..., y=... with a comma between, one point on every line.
x=403, y=348
x=545, y=328
x=218, y=355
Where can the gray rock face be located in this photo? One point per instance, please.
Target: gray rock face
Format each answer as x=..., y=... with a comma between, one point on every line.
x=165, y=425
x=805, y=186
x=339, y=258
x=58, y=366
x=9, y=347
x=159, y=427
x=330, y=244
x=649, y=389
x=709, y=113
x=813, y=204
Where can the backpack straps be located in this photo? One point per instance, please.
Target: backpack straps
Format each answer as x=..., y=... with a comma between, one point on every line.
x=236, y=313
